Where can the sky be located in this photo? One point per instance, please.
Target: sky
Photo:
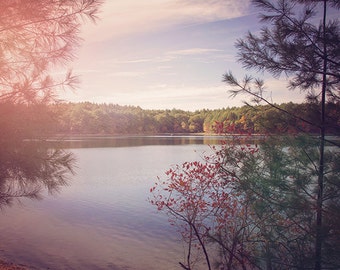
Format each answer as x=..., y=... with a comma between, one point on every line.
x=166, y=54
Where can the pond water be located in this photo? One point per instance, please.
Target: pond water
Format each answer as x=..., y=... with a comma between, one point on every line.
x=102, y=219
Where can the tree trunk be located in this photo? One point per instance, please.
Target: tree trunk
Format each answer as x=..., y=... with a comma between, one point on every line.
x=319, y=208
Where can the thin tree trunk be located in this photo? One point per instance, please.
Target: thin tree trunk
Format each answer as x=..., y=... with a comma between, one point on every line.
x=205, y=252
x=319, y=208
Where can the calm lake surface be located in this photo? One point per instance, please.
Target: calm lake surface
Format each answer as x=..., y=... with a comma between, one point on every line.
x=102, y=219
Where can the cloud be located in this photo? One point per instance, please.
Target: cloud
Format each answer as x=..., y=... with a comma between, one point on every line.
x=133, y=74
x=170, y=56
x=209, y=10
x=276, y=91
x=123, y=17
x=134, y=61
x=193, y=51
x=187, y=97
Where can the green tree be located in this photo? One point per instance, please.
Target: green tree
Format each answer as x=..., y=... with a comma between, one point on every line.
x=196, y=123
x=165, y=122
x=308, y=53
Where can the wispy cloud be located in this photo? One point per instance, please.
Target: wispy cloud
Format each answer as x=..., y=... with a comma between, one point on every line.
x=132, y=61
x=276, y=90
x=188, y=97
x=193, y=51
x=127, y=74
x=123, y=17
x=208, y=10
x=172, y=55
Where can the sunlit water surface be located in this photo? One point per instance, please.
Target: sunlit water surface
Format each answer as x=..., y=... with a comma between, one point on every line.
x=103, y=219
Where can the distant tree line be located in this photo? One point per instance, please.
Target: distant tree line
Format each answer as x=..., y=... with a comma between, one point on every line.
x=91, y=118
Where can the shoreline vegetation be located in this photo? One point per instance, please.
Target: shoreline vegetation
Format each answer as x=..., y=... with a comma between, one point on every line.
x=112, y=119
x=90, y=119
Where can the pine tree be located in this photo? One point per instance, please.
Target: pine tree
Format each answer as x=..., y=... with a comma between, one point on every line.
x=309, y=55
x=35, y=38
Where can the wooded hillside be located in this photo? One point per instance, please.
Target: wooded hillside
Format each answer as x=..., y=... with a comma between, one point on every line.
x=90, y=118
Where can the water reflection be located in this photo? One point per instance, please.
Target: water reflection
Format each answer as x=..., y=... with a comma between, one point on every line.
x=28, y=168
x=103, y=220
x=128, y=141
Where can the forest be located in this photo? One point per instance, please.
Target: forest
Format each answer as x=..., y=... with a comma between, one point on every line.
x=111, y=119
